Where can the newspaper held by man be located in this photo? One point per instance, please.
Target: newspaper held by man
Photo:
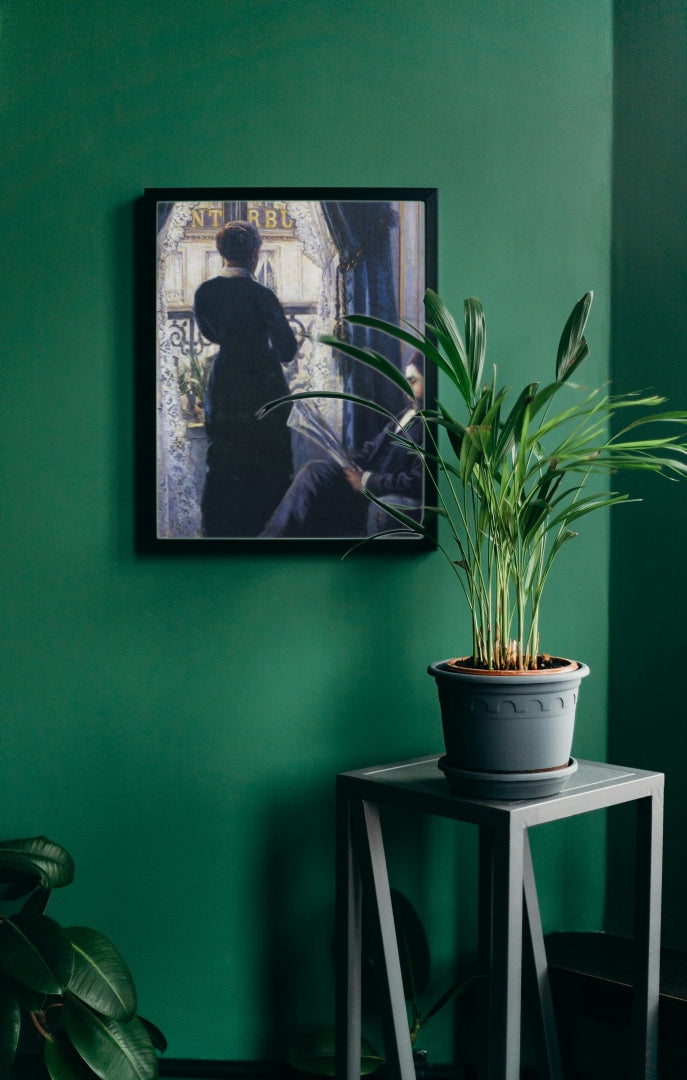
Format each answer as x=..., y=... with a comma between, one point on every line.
x=307, y=418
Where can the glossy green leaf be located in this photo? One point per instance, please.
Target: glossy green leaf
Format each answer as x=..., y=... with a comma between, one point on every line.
x=38, y=859
x=317, y=1055
x=114, y=1051
x=35, y=951
x=100, y=976
x=10, y=1025
x=18, y=887
x=63, y=1062
x=156, y=1037
x=29, y=1000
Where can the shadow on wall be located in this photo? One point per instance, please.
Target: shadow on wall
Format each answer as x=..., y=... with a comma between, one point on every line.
x=298, y=900
x=297, y=890
x=649, y=340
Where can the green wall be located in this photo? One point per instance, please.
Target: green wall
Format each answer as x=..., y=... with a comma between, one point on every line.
x=178, y=722
x=649, y=332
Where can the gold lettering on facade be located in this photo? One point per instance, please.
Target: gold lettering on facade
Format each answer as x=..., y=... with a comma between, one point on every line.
x=270, y=219
x=254, y=216
x=286, y=222
x=216, y=215
x=197, y=218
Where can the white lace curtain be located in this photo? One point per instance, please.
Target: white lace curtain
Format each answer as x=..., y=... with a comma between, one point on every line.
x=178, y=510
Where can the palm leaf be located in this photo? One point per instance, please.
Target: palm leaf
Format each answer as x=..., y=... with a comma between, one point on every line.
x=338, y=395
x=572, y=347
x=443, y=326
x=454, y=429
x=432, y=353
x=475, y=339
x=398, y=515
x=491, y=417
x=512, y=425
x=372, y=359
x=586, y=505
x=419, y=342
x=443, y=320
x=624, y=445
x=543, y=396
x=475, y=445
x=535, y=512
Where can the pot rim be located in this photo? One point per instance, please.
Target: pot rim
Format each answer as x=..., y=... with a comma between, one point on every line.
x=573, y=669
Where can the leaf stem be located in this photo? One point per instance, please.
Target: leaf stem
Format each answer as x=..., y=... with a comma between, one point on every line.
x=39, y=1026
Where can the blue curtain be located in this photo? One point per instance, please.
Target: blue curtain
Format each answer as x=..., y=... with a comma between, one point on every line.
x=164, y=209
x=365, y=234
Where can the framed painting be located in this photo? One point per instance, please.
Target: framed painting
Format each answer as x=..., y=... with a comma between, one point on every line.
x=246, y=284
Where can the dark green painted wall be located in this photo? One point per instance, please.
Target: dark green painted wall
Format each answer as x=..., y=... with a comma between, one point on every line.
x=178, y=723
x=649, y=332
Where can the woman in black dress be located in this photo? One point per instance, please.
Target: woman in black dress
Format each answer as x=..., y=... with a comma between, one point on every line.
x=249, y=461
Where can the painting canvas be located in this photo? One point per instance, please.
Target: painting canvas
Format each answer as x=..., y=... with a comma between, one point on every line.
x=246, y=284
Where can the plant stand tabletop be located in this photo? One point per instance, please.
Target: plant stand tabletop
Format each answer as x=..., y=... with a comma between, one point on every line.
x=510, y=930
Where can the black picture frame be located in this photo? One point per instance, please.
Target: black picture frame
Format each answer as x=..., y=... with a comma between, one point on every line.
x=325, y=253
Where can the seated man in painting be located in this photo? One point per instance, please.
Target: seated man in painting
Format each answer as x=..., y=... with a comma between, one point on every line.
x=326, y=500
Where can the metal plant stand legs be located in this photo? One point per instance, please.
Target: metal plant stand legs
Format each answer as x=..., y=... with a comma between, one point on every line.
x=510, y=930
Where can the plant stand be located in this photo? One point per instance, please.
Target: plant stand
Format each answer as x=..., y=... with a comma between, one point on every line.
x=507, y=905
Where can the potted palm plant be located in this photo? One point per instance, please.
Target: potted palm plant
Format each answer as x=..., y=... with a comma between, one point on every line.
x=512, y=474
x=67, y=998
